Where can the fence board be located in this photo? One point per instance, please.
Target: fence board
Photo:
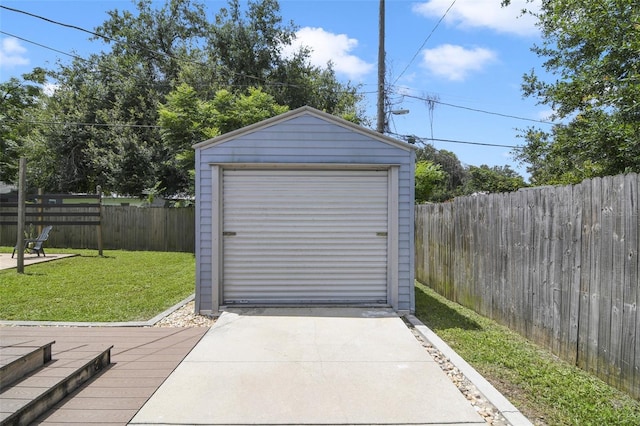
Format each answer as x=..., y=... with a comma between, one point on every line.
x=125, y=228
x=606, y=265
x=556, y=245
x=631, y=374
x=574, y=267
x=617, y=279
x=586, y=254
x=594, y=278
x=560, y=265
x=528, y=265
x=629, y=282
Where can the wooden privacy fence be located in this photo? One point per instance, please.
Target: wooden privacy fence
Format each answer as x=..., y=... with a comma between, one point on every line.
x=149, y=228
x=557, y=264
x=124, y=228
x=69, y=210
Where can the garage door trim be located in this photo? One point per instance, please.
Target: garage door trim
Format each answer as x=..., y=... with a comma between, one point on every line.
x=217, y=213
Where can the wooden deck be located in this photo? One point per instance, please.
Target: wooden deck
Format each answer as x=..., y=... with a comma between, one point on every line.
x=142, y=358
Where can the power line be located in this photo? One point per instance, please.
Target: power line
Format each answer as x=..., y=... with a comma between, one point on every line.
x=424, y=42
x=156, y=52
x=474, y=143
x=285, y=84
x=41, y=45
x=260, y=80
x=72, y=123
x=11, y=9
x=75, y=27
x=424, y=139
x=479, y=110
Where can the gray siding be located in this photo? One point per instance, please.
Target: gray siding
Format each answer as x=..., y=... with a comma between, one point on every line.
x=305, y=139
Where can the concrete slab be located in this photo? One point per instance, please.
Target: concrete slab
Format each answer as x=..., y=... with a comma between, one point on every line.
x=6, y=262
x=309, y=338
x=308, y=366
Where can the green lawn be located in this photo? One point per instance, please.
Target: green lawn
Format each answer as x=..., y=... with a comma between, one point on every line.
x=121, y=286
x=545, y=389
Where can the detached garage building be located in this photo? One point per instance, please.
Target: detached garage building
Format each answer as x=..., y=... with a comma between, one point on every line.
x=304, y=208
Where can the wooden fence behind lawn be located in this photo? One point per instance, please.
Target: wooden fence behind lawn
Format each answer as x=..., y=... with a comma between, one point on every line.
x=125, y=228
x=557, y=264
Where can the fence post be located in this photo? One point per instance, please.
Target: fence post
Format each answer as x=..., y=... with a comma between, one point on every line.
x=99, y=229
x=40, y=210
x=21, y=213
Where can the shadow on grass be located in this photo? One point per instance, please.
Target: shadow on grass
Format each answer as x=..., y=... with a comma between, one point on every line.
x=438, y=316
x=90, y=256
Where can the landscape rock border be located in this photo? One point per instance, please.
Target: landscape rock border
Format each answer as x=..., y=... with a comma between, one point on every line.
x=488, y=401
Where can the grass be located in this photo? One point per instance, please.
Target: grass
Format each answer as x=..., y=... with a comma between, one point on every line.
x=121, y=286
x=544, y=388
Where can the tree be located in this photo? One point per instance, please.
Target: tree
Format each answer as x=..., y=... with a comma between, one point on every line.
x=455, y=173
x=246, y=50
x=157, y=42
x=104, y=113
x=20, y=102
x=427, y=176
x=492, y=179
x=247, y=46
x=87, y=119
x=186, y=120
x=592, y=47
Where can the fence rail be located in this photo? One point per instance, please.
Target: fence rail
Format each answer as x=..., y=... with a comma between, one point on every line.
x=559, y=265
x=123, y=227
x=49, y=209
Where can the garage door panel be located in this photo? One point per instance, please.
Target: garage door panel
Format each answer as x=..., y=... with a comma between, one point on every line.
x=339, y=294
x=304, y=236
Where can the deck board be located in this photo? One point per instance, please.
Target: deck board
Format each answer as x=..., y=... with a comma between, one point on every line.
x=142, y=358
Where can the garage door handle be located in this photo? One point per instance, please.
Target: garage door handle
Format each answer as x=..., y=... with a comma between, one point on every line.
x=381, y=234
x=229, y=234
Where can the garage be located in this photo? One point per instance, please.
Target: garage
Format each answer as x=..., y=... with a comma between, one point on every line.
x=304, y=209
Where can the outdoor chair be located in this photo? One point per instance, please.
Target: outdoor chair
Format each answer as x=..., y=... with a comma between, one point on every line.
x=36, y=243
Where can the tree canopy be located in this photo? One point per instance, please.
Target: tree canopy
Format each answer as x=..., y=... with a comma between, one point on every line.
x=440, y=176
x=428, y=175
x=19, y=102
x=186, y=120
x=114, y=118
x=168, y=77
x=592, y=47
x=492, y=179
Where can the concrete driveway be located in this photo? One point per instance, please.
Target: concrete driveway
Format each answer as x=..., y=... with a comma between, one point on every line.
x=304, y=366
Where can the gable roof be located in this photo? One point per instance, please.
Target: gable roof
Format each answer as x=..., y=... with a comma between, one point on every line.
x=299, y=112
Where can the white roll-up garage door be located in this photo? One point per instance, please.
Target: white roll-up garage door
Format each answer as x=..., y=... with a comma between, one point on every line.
x=304, y=236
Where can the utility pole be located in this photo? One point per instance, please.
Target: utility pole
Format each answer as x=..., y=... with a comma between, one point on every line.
x=381, y=71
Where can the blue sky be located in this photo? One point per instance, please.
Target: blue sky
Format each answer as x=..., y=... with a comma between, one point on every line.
x=473, y=59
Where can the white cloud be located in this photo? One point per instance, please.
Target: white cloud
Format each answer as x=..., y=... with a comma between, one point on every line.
x=455, y=62
x=326, y=46
x=12, y=53
x=483, y=14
